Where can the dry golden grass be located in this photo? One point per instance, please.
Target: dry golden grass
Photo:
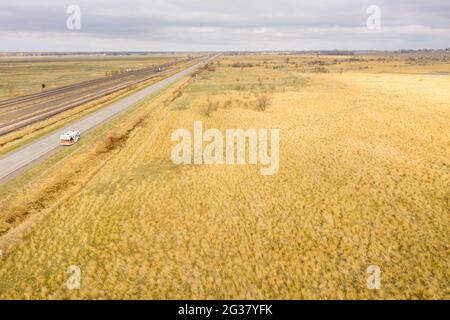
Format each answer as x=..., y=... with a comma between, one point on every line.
x=364, y=179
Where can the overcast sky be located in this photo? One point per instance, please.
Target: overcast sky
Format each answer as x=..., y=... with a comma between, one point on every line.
x=198, y=25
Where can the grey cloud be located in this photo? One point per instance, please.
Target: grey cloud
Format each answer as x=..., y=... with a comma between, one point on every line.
x=220, y=24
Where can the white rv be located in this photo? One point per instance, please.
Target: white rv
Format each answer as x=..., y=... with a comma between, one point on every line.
x=69, y=138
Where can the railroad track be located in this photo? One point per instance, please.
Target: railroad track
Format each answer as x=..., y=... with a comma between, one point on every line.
x=68, y=88
x=18, y=161
x=16, y=113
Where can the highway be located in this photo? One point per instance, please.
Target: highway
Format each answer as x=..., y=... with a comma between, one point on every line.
x=21, y=159
x=18, y=112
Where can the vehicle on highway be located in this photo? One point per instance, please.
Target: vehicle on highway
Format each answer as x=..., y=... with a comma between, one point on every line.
x=69, y=138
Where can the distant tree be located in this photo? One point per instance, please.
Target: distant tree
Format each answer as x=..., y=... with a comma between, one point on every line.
x=43, y=86
x=263, y=102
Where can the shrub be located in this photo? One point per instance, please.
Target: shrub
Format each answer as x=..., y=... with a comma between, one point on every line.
x=228, y=103
x=263, y=102
x=320, y=70
x=241, y=65
x=209, y=107
x=210, y=68
x=177, y=94
x=111, y=142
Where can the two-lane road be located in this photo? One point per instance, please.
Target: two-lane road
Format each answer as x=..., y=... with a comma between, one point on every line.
x=17, y=161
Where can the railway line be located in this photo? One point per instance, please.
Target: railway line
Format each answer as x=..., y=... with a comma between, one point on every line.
x=50, y=92
x=18, y=161
x=18, y=112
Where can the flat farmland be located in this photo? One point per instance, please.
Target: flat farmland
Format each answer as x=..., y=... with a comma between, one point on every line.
x=363, y=181
x=27, y=117
x=25, y=75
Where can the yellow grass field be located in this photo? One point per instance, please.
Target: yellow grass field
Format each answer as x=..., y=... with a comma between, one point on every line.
x=364, y=180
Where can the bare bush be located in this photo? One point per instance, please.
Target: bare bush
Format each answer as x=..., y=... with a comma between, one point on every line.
x=317, y=62
x=177, y=94
x=228, y=103
x=263, y=102
x=209, y=107
x=110, y=142
x=320, y=70
x=194, y=75
x=241, y=65
x=260, y=82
